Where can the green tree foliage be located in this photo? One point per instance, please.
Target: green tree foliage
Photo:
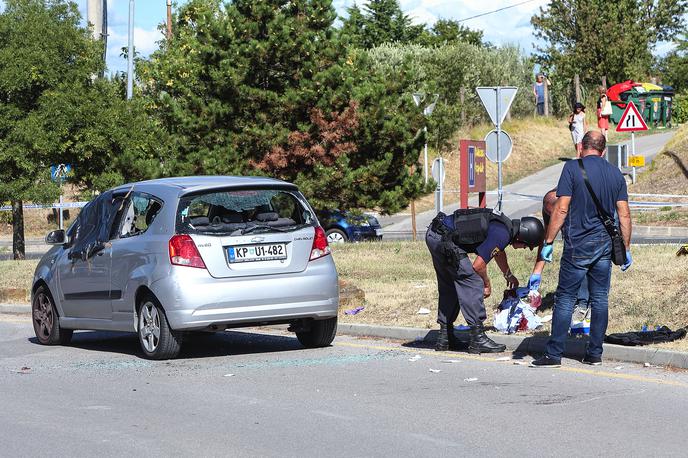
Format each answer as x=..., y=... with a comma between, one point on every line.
x=674, y=66
x=594, y=38
x=383, y=21
x=41, y=46
x=447, y=31
x=107, y=139
x=448, y=70
x=251, y=87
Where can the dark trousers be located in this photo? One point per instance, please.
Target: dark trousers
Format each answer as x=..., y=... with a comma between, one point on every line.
x=540, y=106
x=460, y=287
x=591, y=260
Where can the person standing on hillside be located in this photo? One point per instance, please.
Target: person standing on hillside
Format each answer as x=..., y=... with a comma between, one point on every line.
x=578, y=126
x=602, y=117
x=463, y=284
x=587, y=245
x=539, y=91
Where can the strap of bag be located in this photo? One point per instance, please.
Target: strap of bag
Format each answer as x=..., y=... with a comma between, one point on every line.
x=607, y=220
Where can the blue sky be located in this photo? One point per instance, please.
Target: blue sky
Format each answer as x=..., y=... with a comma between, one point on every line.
x=511, y=26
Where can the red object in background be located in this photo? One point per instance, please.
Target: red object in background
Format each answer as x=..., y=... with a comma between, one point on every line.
x=472, y=176
x=614, y=92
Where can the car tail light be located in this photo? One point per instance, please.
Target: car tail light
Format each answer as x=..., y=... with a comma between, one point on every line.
x=320, y=246
x=183, y=252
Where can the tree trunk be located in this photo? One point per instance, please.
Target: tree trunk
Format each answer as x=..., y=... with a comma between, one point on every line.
x=18, y=245
x=576, y=83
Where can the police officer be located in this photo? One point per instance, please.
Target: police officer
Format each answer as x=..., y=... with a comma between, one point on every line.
x=464, y=284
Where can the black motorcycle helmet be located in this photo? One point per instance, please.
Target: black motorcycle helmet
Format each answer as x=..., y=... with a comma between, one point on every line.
x=530, y=231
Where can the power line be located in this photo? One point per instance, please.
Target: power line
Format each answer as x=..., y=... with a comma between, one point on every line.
x=495, y=11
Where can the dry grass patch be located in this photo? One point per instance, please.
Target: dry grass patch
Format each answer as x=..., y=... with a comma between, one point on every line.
x=538, y=143
x=14, y=277
x=398, y=279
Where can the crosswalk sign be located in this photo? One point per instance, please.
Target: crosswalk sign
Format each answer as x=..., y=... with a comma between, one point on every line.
x=631, y=120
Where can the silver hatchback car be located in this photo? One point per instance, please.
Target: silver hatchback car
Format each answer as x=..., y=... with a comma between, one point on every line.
x=165, y=257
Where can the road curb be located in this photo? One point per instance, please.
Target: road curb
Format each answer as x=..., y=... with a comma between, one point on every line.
x=15, y=308
x=575, y=347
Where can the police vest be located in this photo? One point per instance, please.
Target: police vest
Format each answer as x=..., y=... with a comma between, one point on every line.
x=471, y=224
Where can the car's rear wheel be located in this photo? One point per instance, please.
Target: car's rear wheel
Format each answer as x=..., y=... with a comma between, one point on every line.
x=321, y=333
x=46, y=322
x=336, y=236
x=157, y=339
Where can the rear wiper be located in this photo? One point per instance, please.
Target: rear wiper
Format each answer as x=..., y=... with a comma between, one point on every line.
x=260, y=226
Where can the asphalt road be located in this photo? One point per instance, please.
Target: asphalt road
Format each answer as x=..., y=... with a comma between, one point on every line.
x=356, y=398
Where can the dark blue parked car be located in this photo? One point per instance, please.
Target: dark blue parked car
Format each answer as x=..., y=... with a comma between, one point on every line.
x=343, y=226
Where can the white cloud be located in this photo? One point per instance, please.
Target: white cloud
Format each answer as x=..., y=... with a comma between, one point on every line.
x=144, y=44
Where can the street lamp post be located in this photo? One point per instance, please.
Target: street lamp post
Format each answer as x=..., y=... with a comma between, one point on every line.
x=130, y=52
x=418, y=98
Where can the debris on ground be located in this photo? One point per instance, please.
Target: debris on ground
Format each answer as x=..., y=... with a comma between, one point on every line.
x=228, y=375
x=423, y=311
x=651, y=365
x=517, y=312
x=504, y=358
x=414, y=358
x=521, y=363
x=435, y=371
x=683, y=251
x=354, y=311
x=661, y=335
x=618, y=368
x=23, y=370
x=472, y=379
x=451, y=361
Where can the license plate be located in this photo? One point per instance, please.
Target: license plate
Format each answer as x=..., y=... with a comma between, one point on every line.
x=379, y=232
x=250, y=253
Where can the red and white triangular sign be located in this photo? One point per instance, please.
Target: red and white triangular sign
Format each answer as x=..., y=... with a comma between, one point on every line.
x=631, y=120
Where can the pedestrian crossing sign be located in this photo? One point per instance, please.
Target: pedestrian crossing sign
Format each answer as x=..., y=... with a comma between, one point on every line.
x=631, y=120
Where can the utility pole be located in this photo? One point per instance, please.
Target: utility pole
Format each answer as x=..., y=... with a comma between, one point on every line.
x=96, y=12
x=130, y=53
x=169, y=20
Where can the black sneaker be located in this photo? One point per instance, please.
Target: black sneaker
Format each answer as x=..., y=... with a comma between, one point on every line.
x=545, y=361
x=592, y=360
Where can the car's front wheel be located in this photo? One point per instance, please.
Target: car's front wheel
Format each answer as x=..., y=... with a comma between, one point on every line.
x=321, y=333
x=46, y=322
x=336, y=236
x=157, y=339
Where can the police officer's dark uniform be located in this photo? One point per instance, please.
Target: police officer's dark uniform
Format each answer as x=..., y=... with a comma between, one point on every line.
x=450, y=238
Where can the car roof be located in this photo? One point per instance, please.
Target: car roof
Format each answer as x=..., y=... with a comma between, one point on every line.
x=188, y=185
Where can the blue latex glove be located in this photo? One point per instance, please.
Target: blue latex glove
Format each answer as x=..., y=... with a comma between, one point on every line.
x=629, y=261
x=522, y=292
x=546, y=253
x=534, y=282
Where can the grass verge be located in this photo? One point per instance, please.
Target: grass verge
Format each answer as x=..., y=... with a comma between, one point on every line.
x=398, y=279
x=538, y=143
x=668, y=174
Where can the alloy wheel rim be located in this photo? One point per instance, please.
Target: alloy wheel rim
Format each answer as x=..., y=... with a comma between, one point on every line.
x=43, y=316
x=335, y=237
x=149, y=327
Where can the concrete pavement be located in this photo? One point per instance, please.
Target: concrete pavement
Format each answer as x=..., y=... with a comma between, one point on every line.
x=533, y=185
x=356, y=398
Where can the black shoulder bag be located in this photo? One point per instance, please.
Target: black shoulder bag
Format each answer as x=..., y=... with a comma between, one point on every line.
x=618, y=247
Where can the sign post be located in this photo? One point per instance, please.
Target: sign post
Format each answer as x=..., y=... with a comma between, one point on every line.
x=438, y=175
x=632, y=121
x=497, y=101
x=58, y=173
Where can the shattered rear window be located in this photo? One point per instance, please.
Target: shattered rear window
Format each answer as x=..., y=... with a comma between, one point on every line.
x=236, y=211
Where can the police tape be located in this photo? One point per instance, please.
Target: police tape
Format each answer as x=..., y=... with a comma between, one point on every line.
x=64, y=205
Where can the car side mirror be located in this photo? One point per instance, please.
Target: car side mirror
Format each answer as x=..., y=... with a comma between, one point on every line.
x=58, y=237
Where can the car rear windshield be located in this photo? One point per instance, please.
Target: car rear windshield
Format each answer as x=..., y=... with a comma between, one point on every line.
x=237, y=212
